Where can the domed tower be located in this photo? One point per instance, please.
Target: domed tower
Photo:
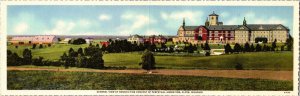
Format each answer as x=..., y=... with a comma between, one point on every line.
x=213, y=19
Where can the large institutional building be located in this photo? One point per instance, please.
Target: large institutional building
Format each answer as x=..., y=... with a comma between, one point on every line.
x=215, y=32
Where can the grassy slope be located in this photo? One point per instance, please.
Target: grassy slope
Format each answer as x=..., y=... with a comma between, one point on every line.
x=260, y=60
x=44, y=80
x=52, y=53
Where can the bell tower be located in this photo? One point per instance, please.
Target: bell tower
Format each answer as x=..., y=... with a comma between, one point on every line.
x=213, y=19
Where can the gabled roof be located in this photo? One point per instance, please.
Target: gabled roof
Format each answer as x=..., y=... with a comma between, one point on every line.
x=190, y=28
x=242, y=27
x=266, y=27
x=222, y=27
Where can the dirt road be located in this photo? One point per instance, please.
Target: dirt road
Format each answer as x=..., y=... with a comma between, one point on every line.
x=258, y=74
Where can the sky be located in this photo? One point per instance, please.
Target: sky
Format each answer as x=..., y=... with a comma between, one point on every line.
x=129, y=20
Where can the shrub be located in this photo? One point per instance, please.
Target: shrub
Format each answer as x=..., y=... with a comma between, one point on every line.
x=33, y=46
x=41, y=46
x=239, y=66
x=79, y=41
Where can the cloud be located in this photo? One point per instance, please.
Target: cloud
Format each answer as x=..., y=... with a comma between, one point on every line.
x=250, y=14
x=134, y=23
x=271, y=20
x=103, y=17
x=224, y=14
x=233, y=21
x=174, y=19
x=153, y=32
x=61, y=28
x=252, y=18
x=21, y=28
x=191, y=16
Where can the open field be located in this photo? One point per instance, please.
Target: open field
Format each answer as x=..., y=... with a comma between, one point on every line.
x=51, y=53
x=250, y=61
x=255, y=74
x=46, y=80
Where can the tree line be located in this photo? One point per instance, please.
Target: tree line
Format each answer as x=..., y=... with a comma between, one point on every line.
x=89, y=57
x=258, y=48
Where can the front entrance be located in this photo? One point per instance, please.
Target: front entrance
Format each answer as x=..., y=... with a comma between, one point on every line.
x=261, y=40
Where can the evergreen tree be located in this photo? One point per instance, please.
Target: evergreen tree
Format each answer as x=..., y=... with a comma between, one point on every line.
x=237, y=48
x=27, y=56
x=274, y=45
x=33, y=46
x=252, y=48
x=289, y=43
x=282, y=48
x=228, y=49
x=13, y=59
x=41, y=46
x=264, y=48
x=258, y=48
x=80, y=51
x=103, y=48
x=247, y=47
x=207, y=49
x=148, y=60
x=190, y=48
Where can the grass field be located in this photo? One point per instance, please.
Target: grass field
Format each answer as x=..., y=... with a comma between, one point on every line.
x=250, y=61
x=45, y=80
x=51, y=53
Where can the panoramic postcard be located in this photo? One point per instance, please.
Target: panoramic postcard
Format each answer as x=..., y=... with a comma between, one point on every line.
x=128, y=47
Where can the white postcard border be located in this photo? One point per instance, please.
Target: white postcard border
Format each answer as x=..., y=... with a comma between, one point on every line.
x=3, y=30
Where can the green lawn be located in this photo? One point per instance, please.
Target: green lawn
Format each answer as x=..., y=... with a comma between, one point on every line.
x=46, y=80
x=250, y=61
x=52, y=53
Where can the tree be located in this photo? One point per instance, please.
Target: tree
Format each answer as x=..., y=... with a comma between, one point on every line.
x=207, y=49
x=94, y=57
x=258, y=48
x=13, y=59
x=27, y=57
x=246, y=47
x=289, y=43
x=264, y=48
x=80, y=51
x=41, y=46
x=38, y=61
x=252, y=48
x=33, y=46
x=148, y=61
x=282, y=48
x=228, y=49
x=103, y=48
x=274, y=45
x=58, y=39
x=237, y=48
x=190, y=48
x=79, y=41
x=64, y=59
